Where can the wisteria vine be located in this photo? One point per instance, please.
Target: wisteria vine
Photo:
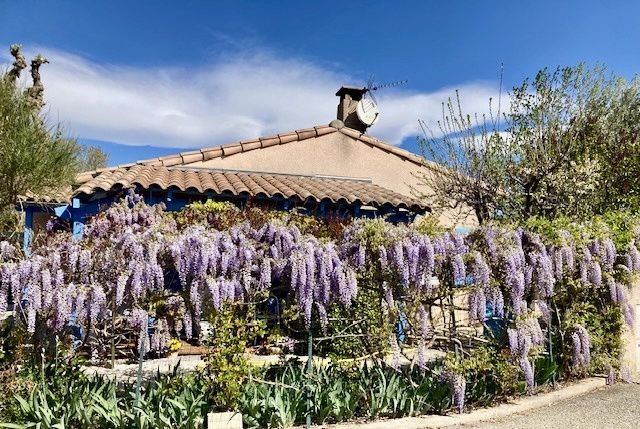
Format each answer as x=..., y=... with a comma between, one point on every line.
x=133, y=253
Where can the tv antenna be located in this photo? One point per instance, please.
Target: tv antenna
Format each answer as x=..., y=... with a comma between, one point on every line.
x=373, y=87
x=367, y=108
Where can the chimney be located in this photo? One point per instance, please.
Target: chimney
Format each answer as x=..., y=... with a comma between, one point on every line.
x=349, y=97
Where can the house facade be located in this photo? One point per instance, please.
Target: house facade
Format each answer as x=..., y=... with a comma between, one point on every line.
x=336, y=169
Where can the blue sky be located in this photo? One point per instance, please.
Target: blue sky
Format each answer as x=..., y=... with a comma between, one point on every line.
x=177, y=75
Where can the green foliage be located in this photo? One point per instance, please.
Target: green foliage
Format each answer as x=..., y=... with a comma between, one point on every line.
x=32, y=158
x=62, y=396
x=92, y=158
x=620, y=226
x=227, y=365
x=340, y=394
x=546, y=370
x=428, y=225
x=373, y=391
x=220, y=215
x=489, y=373
x=570, y=148
x=224, y=215
x=605, y=329
x=358, y=331
x=275, y=396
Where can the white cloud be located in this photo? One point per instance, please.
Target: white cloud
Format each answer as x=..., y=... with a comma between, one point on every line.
x=237, y=98
x=401, y=111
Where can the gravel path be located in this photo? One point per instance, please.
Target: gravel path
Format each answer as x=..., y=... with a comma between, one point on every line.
x=616, y=407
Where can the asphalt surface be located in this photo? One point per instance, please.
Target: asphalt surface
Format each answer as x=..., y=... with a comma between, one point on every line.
x=616, y=407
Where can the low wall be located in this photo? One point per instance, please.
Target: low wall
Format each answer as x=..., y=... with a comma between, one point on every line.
x=631, y=335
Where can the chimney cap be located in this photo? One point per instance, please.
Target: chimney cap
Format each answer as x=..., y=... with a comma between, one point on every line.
x=352, y=90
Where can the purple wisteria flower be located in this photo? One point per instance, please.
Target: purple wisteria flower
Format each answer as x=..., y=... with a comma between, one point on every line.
x=595, y=274
x=581, y=346
x=608, y=254
x=459, y=270
x=515, y=280
x=490, y=242
x=7, y=250
x=545, y=311
x=527, y=371
x=611, y=377
x=458, y=385
x=139, y=320
x=161, y=336
x=477, y=305
x=522, y=338
x=628, y=314
x=545, y=275
x=481, y=272
x=585, y=264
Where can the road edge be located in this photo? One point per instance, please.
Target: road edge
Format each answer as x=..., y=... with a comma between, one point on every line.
x=515, y=406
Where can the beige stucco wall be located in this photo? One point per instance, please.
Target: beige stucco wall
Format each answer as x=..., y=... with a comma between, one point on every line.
x=631, y=336
x=334, y=155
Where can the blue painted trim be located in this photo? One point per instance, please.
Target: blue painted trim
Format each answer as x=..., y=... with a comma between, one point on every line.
x=61, y=211
x=462, y=230
x=78, y=214
x=78, y=230
x=28, y=231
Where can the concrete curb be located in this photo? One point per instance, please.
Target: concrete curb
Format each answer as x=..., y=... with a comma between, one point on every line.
x=517, y=406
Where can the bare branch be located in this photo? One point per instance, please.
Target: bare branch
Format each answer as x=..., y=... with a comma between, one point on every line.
x=36, y=92
x=18, y=65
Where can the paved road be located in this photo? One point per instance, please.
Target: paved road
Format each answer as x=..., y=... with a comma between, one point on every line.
x=615, y=407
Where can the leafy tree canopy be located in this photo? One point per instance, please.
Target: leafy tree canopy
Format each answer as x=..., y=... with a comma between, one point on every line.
x=568, y=145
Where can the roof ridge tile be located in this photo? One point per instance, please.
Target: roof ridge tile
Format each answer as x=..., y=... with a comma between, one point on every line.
x=207, y=153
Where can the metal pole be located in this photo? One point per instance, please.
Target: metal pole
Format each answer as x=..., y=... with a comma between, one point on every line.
x=309, y=368
x=140, y=360
x=113, y=329
x=553, y=377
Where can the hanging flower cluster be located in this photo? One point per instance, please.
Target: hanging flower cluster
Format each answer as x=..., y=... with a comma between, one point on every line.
x=581, y=346
x=522, y=338
x=458, y=385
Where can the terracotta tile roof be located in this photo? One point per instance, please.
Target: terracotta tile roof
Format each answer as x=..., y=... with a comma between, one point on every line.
x=205, y=154
x=252, y=184
x=168, y=173
x=53, y=197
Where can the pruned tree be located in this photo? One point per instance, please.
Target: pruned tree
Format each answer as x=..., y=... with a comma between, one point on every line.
x=36, y=91
x=18, y=65
x=464, y=159
x=34, y=158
